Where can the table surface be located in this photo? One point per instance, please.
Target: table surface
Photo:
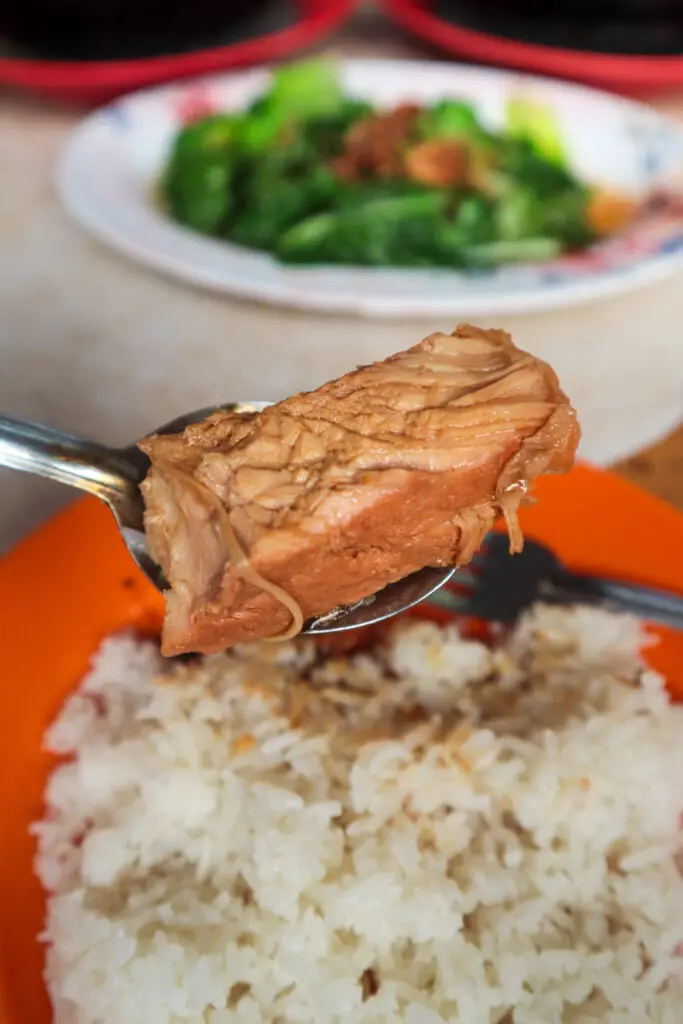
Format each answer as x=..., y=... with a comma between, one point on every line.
x=95, y=345
x=659, y=468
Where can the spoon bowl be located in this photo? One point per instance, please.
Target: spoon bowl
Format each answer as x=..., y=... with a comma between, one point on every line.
x=114, y=476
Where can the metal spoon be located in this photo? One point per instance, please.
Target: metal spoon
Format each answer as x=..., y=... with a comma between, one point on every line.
x=114, y=476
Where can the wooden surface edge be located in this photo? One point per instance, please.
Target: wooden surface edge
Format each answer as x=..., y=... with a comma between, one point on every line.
x=659, y=469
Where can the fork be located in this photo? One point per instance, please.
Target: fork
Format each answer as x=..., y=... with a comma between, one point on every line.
x=498, y=587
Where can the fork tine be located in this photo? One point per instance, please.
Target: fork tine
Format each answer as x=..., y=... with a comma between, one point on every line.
x=464, y=578
x=495, y=587
x=451, y=601
x=498, y=542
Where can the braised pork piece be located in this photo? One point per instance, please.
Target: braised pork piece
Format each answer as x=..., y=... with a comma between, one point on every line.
x=261, y=521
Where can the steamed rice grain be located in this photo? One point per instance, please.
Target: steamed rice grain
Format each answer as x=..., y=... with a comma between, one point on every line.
x=432, y=832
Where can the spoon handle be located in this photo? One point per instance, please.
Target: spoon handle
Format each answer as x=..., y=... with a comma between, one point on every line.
x=104, y=472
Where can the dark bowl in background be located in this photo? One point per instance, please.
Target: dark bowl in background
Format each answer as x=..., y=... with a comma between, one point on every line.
x=139, y=53
x=634, y=47
x=96, y=30
x=626, y=27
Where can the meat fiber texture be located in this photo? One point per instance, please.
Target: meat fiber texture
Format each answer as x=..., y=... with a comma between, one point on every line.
x=330, y=495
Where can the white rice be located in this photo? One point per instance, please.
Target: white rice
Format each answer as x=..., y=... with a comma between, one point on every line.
x=261, y=837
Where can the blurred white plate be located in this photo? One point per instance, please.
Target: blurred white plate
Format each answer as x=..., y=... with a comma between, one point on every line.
x=107, y=171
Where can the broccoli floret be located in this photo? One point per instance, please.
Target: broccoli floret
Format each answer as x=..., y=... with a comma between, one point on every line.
x=474, y=218
x=326, y=132
x=214, y=133
x=275, y=192
x=259, y=132
x=196, y=184
x=398, y=231
x=298, y=92
x=519, y=162
x=565, y=217
x=470, y=221
x=541, y=198
x=453, y=120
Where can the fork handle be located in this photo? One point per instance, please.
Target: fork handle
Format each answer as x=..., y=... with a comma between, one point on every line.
x=649, y=603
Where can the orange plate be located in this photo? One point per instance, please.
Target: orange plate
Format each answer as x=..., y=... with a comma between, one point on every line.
x=71, y=583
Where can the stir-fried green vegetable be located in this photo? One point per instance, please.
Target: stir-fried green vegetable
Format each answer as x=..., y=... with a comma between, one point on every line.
x=314, y=176
x=536, y=125
x=197, y=183
x=450, y=119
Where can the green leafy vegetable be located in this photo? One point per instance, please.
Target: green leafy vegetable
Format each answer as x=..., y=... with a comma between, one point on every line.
x=326, y=132
x=395, y=231
x=285, y=177
x=197, y=182
x=527, y=250
x=542, y=198
x=305, y=89
x=274, y=199
x=451, y=119
x=351, y=195
x=538, y=125
x=298, y=92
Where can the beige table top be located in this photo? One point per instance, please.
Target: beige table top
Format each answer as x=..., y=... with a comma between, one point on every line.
x=93, y=344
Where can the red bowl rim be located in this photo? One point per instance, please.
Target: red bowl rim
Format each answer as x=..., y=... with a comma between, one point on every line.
x=315, y=18
x=621, y=71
